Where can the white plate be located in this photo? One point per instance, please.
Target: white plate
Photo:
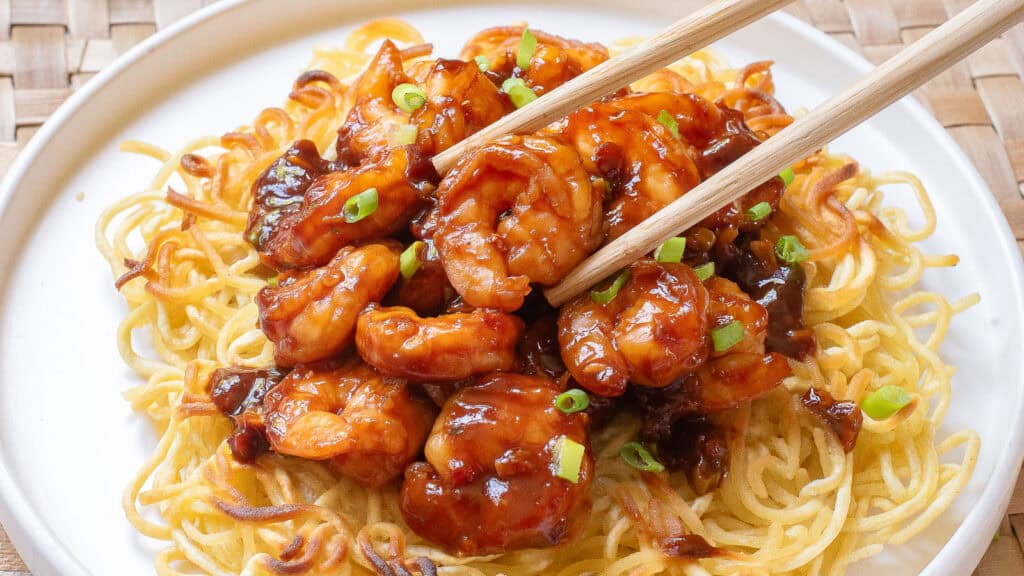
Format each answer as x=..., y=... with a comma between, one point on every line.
x=68, y=443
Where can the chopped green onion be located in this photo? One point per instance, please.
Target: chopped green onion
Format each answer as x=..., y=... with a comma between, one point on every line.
x=403, y=134
x=995, y=537
x=790, y=249
x=705, y=271
x=568, y=459
x=638, y=457
x=482, y=63
x=671, y=250
x=360, y=206
x=669, y=122
x=408, y=97
x=885, y=402
x=518, y=92
x=572, y=401
x=527, y=46
x=759, y=211
x=273, y=281
x=727, y=336
x=409, y=261
x=787, y=176
x=608, y=294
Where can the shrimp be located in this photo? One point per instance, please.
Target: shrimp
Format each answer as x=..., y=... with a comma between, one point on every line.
x=645, y=166
x=489, y=484
x=654, y=330
x=364, y=134
x=397, y=342
x=278, y=190
x=311, y=235
x=312, y=316
x=519, y=210
x=366, y=426
x=555, y=60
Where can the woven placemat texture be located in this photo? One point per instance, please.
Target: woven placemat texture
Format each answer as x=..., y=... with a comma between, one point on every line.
x=48, y=48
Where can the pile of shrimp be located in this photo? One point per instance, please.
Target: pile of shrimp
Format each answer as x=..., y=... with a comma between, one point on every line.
x=411, y=344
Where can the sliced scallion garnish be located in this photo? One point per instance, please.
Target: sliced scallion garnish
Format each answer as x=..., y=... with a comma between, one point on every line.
x=671, y=250
x=885, y=402
x=727, y=336
x=518, y=92
x=608, y=294
x=408, y=97
x=640, y=458
x=482, y=62
x=790, y=249
x=787, y=176
x=360, y=206
x=705, y=271
x=568, y=459
x=572, y=401
x=669, y=122
x=759, y=211
x=409, y=261
x=527, y=47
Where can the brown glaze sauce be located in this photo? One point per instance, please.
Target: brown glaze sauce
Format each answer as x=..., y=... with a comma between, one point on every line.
x=843, y=418
x=278, y=191
x=238, y=393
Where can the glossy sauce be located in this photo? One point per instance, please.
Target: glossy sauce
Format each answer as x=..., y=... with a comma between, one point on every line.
x=843, y=418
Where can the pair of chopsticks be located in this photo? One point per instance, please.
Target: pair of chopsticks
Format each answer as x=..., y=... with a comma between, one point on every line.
x=897, y=77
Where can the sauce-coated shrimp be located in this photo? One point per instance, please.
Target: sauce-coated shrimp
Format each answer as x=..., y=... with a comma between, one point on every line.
x=397, y=342
x=489, y=483
x=312, y=316
x=278, y=191
x=312, y=235
x=555, y=61
x=516, y=211
x=368, y=427
x=652, y=332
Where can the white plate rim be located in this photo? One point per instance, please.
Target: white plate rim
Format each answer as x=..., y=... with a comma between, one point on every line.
x=45, y=554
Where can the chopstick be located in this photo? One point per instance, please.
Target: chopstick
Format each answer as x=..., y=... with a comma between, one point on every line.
x=897, y=77
x=686, y=35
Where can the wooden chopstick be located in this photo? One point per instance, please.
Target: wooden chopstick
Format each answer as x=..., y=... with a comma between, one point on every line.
x=897, y=77
x=687, y=35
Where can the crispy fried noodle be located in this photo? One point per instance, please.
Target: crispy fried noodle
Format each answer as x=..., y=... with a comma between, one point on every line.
x=798, y=498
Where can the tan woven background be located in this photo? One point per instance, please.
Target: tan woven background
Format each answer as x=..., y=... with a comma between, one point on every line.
x=50, y=47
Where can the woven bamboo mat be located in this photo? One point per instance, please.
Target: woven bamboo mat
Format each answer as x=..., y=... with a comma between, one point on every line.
x=48, y=48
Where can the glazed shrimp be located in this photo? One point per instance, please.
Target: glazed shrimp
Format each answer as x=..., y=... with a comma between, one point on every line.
x=516, y=211
x=397, y=342
x=312, y=316
x=366, y=426
x=555, y=61
x=491, y=451
x=311, y=235
x=651, y=332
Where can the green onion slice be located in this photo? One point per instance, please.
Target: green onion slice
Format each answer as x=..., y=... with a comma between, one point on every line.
x=608, y=294
x=638, y=457
x=572, y=401
x=669, y=122
x=273, y=281
x=518, y=92
x=409, y=261
x=671, y=250
x=727, y=336
x=705, y=271
x=885, y=402
x=360, y=206
x=568, y=459
x=403, y=134
x=482, y=62
x=787, y=176
x=790, y=250
x=759, y=211
x=408, y=97
x=527, y=47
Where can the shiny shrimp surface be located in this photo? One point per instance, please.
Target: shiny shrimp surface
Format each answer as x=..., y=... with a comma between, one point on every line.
x=489, y=483
x=312, y=316
x=398, y=342
x=516, y=211
x=311, y=235
x=654, y=330
x=368, y=427
x=555, y=61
